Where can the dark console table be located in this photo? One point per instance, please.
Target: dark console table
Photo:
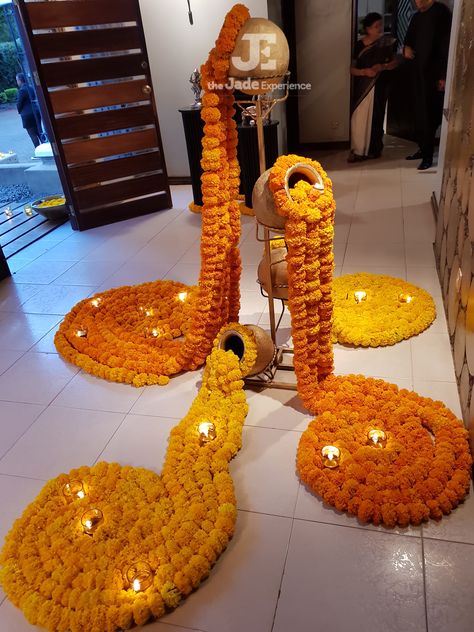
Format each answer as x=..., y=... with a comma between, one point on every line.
x=247, y=151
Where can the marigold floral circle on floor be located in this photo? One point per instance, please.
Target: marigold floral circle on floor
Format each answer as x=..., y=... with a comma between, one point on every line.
x=422, y=471
x=70, y=575
x=374, y=310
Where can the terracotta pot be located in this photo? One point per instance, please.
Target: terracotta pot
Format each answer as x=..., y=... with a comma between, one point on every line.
x=262, y=198
x=279, y=271
x=263, y=62
x=231, y=340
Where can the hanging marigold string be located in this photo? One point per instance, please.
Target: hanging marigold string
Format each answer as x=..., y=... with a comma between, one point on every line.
x=107, y=347
x=422, y=470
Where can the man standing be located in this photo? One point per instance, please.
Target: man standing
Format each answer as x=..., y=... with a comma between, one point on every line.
x=28, y=110
x=427, y=45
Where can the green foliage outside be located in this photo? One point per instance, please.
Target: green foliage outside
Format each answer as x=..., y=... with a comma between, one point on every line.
x=11, y=94
x=9, y=65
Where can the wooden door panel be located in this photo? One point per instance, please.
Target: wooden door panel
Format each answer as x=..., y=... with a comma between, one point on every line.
x=61, y=73
x=85, y=150
x=117, y=168
x=116, y=191
x=73, y=99
x=92, y=65
x=117, y=211
x=44, y=15
x=87, y=42
x=85, y=124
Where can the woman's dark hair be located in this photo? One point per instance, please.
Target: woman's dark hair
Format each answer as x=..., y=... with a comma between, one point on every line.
x=21, y=77
x=370, y=19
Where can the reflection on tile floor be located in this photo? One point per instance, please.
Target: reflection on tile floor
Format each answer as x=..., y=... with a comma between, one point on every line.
x=294, y=564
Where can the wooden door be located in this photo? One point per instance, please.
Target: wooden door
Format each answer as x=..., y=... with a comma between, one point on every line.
x=93, y=80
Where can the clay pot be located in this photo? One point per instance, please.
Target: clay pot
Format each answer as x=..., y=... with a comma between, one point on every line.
x=279, y=272
x=257, y=60
x=231, y=340
x=262, y=198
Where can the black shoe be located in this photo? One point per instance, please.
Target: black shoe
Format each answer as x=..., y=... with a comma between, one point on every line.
x=416, y=156
x=425, y=164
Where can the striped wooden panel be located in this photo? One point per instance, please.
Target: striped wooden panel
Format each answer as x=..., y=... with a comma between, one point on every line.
x=118, y=168
x=73, y=99
x=84, y=124
x=45, y=15
x=86, y=42
x=94, y=148
x=127, y=189
x=67, y=72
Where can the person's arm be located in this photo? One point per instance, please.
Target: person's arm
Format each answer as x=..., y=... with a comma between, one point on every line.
x=21, y=100
x=443, y=34
x=363, y=72
x=409, y=43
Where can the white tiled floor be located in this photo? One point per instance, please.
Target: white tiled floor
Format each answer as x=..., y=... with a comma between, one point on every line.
x=294, y=565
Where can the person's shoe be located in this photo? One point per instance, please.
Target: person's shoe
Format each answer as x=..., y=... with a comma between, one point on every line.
x=424, y=165
x=416, y=156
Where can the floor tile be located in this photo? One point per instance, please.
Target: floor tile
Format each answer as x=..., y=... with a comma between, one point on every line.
x=252, y=305
x=172, y=401
x=446, y=392
x=386, y=362
x=449, y=586
x=420, y=253
x=381, y=225
x=424, y=277
x=419, y=222
x=60, y=439
x=399, y=272
x=134, y=273
x=42, y=272
x=46, y=343
x=87, y=273
x=141, y=441
x=264, y=471
x=7, y=358
x=242, y=590
x=57, y=299
x=432, y=357
x=377, y=254
x=17, y=262
x=274, y=408
x=350, y=579
x=13, y=295
x=88, y=391
x=378, y=196
x=457, y=527
x=15, y=419
x=36, y=378
x=417, y=191
x=19, y=331
x=13, y=620
x=68, y=250
x=16, y=493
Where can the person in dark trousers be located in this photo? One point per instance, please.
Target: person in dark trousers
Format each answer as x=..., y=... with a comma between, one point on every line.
x=427, y=46
x=28, y=110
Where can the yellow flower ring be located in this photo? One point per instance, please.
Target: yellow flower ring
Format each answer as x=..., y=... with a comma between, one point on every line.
x=388, y=310
x=176, y=523
x=423, y=470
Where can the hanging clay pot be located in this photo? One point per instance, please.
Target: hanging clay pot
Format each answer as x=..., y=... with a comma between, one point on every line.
x=279, y=271
x=260, y=57
x=262, y=198
x=232, y=340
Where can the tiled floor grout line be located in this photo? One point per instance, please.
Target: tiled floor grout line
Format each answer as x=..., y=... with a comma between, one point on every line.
x=28, y=478
x=283, y=573
x=423, y=563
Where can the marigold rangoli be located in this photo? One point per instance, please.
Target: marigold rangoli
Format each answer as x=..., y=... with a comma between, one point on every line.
x=374, y=310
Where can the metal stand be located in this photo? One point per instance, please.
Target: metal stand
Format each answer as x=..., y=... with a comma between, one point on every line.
x=267, y=379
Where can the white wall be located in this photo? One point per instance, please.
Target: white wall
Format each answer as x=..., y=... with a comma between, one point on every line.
x=323, y=33
x=175, y=48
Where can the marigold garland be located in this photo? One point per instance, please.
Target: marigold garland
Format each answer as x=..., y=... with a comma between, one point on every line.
x=392, y=310
x=413, y=477
x=127, y=359
x=178, y=522
x=244, y=210
x=422, y=472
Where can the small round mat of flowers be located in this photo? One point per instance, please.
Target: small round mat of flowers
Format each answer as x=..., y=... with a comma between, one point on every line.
x=104, y=345
x=374, y=310
x=107, y=547
x=389, y=456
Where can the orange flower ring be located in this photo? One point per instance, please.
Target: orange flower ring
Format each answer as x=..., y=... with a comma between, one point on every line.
x=422, y=472
x=111, y=345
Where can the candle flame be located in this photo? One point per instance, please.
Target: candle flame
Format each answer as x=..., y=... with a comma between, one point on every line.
x=137, y=585
x=182, y=296
x=360, y=296
x=80, y=494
